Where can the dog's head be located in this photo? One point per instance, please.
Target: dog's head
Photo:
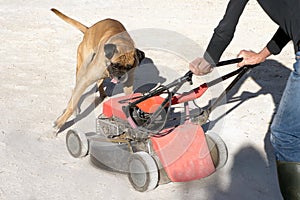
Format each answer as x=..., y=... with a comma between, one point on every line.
x=121, y=59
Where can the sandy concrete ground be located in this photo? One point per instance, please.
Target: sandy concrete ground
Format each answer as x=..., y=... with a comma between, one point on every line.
x=37, y=67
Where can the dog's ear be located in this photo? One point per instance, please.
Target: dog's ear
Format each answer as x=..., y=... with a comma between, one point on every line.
x=140, y=54
x=110, y=50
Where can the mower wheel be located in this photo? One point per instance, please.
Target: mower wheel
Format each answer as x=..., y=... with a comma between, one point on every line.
x=142, y=172
x=77, y=144
x=217, y=149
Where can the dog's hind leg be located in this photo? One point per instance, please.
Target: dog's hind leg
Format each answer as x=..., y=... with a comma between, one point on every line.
x=82, y=66
x=84, y=57
x=79, y=60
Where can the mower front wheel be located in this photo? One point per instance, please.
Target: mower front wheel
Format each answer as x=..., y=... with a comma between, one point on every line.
x=77, y=144
x=143, y=172
x=217, y=149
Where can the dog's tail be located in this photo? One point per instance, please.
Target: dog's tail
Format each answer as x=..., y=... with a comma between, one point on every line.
x=71, y=21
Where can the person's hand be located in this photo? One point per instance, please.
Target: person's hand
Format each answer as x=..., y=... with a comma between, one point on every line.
x=253, y=58
x=200, y=66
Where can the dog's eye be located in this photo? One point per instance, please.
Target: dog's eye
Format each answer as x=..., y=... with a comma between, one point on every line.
x=128, y=66
x=115, y=65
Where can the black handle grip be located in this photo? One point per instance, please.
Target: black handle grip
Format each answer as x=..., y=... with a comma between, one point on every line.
x=188, y=74
x=228, y=62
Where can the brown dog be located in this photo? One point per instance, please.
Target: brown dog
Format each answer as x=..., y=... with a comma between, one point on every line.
x=106, y=50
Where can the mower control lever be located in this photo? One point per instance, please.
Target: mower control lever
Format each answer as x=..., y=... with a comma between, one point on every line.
x=187, y=77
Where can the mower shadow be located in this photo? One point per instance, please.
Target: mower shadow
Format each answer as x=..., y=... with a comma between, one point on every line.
x=270, y=75
x=252, y=177
x=146, y=72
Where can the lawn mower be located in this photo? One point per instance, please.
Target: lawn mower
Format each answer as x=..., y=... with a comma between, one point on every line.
x=142, y=136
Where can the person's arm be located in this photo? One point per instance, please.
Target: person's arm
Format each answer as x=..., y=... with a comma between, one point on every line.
x=224, y=32
x=274, y=46
x=222, y=36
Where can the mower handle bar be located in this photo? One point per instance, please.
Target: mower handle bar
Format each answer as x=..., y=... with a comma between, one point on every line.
x=221, y=63
x=178, y=82
x=193, y=94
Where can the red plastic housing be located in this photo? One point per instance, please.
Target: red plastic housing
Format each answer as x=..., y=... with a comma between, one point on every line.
x=184, y=153
x=113, y=106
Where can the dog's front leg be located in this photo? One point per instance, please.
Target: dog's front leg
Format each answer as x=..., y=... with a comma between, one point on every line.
x=86, y=77
x=101, y=90
x=128, y=85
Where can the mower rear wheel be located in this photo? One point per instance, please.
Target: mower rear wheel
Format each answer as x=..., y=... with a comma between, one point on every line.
x=217, y=149
x=77, y=144
x=142, y=172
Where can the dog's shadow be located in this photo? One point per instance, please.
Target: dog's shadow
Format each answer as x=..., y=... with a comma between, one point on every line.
x=146, y=77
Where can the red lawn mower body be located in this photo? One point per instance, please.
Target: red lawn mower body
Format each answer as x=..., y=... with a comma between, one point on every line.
x=183, y=152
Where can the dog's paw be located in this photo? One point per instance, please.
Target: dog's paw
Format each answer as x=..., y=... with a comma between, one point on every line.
x=56, y=127
x=54, y=124
x=77, y=111
x=51, y=134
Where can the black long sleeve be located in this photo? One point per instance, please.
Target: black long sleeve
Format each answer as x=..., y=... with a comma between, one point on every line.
x=278, y=41
x=285, y=13
x=224, y=32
